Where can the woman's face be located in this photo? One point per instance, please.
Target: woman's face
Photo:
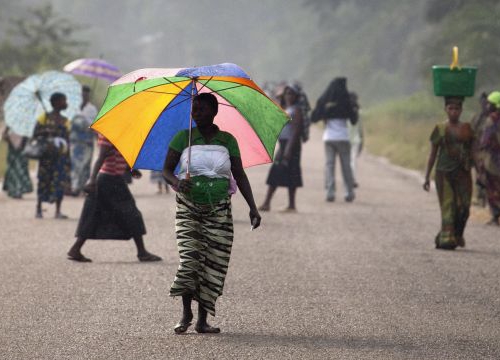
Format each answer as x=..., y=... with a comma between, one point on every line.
x=202, y=113
x=453, y=111
x=494, y=112
x=290, y=96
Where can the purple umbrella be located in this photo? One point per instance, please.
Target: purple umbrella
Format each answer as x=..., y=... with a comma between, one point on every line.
x=94, y=68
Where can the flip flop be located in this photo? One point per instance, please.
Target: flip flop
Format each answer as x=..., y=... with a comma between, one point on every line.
x=79, y=258
x=181, y=327
x=207, y=329
x=148, y=258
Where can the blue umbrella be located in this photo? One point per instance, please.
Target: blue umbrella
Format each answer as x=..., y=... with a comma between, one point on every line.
x=31, y=97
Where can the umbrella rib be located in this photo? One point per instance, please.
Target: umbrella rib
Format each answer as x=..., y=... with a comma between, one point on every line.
x=228, y=88
x=166, y=93
x=205, y=84
x=177, y=86
x=180, y=102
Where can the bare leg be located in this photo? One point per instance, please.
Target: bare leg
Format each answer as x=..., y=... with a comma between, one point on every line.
x=75, y=252
x=58, y=214
x=187, y=315
x=39, y=209
x=142, y=253
x=266, y=206
x=292, y=190
x=202, y=324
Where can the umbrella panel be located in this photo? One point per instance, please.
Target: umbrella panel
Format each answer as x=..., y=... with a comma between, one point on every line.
x=127, y=126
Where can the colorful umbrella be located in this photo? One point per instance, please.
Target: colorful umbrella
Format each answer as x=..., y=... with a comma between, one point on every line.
x=31, y=97
x=144, y=109
x=94, y=68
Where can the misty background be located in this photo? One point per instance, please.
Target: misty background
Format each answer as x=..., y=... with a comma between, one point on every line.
x=384, y=47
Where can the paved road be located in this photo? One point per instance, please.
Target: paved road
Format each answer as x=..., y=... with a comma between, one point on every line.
x=335, y=281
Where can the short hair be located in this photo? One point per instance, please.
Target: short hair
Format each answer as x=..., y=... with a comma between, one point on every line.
x=209, y=99
x=55, y=97
x=456, y=100
x=86, y=88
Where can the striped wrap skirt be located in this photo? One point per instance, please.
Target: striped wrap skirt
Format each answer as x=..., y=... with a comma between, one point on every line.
x=204, y=241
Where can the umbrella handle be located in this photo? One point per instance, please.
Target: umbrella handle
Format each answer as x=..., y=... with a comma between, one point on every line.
x=39, y=98
x=193, y=84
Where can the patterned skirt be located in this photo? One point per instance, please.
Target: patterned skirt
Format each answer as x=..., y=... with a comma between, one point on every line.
x=454, y=190
x=81, y=159
x=204, y=241
x=17, y=178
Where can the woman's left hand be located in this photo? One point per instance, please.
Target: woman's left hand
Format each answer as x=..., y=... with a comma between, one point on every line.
x=136, y=174
x=254, y=218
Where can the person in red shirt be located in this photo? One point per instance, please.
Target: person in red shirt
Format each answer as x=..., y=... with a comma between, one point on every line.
x=109, y=211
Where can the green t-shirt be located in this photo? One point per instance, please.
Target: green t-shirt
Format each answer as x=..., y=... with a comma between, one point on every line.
x=206, y=190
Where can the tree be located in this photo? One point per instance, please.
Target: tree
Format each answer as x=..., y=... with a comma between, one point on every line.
x=42, y=40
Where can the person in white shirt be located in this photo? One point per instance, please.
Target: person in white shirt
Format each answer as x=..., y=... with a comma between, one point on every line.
x=82, y=143
x=334, y=107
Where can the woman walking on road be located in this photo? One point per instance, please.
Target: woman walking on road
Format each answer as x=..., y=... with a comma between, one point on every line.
x=204, y=224
x=54, y=166
x=286, y=170
x=452, y=147
x=489, y=167
x=109, y=211
x=336, y=109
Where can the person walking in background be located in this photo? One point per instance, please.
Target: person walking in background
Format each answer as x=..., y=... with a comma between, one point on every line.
x=156, y=177
x=335, y=108
x=204, y=223
x=489, y=167
x=451, y=145
x=478, y=124
x=286, y=171
x=54, y=165
x=82, y=143
x=109, y=211
x=17, y=178
x=356, y=137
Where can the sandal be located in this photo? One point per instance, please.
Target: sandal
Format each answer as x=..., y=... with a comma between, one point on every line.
x=182, y=327
x=149, y=257
x=206, y=329
x=79, y=258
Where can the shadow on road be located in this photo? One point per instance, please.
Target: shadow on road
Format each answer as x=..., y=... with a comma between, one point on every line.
x=314, y=341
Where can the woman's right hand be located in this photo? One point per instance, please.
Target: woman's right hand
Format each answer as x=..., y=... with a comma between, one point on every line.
x=427, y=185
x=184, y=186
x=90, y=187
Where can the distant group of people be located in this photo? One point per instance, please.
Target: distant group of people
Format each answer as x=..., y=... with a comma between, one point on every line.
x=456, y=148
x=65, y=154
x=343, y=136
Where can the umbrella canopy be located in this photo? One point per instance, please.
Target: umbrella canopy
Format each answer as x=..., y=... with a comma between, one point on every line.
x=144, y=109
x=93, y=68
x=31, y=97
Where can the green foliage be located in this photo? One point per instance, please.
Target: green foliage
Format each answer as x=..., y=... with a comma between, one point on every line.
x=399, y=129
x=388, y=54
x=474, y=28
x=42, y=40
